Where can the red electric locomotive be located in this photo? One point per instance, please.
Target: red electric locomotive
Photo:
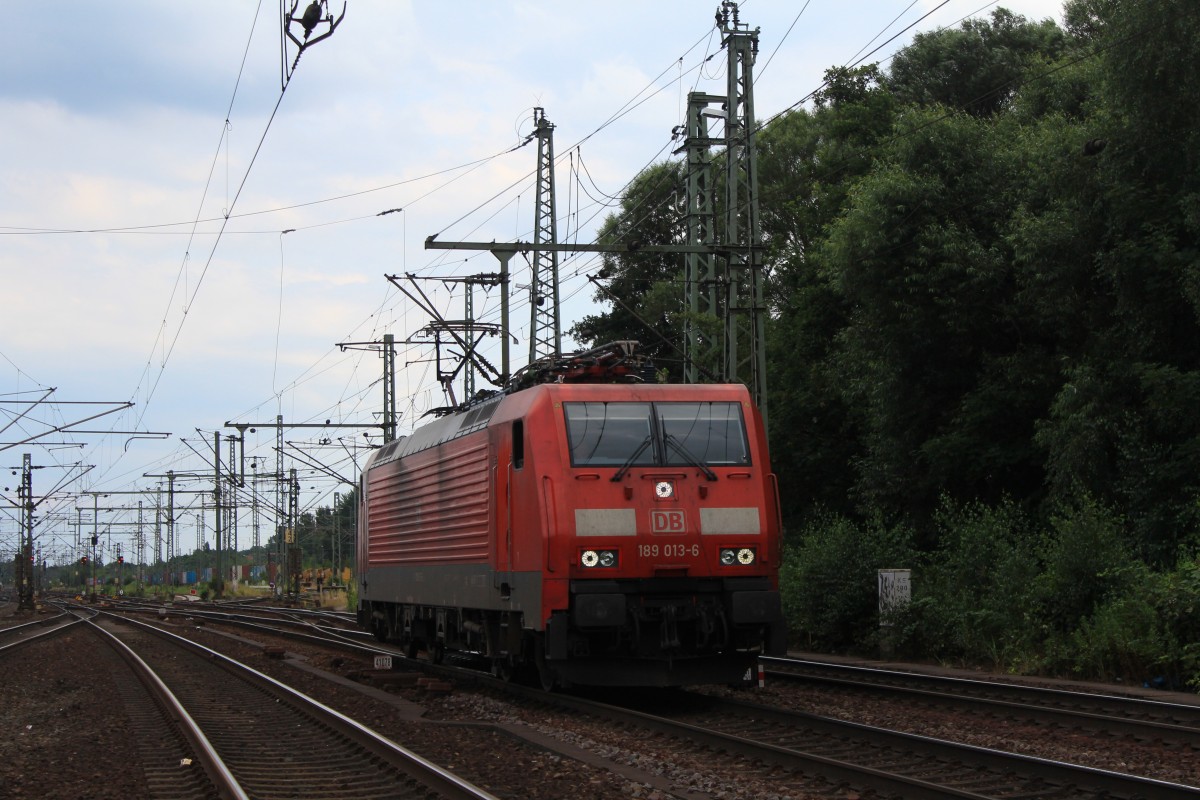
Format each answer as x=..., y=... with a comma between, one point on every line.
x=605, y=534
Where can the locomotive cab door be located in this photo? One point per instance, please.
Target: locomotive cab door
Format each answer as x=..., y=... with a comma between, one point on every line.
x=509, y=455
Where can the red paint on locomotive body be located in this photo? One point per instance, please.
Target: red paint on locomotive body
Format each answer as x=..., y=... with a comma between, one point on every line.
x=607, y=533
x=662, y=518
x=433, y=507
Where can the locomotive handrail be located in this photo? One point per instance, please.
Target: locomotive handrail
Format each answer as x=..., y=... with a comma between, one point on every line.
x=773, y=480
x=549, y=515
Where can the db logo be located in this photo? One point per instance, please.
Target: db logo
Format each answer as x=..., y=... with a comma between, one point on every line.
x=668, y=521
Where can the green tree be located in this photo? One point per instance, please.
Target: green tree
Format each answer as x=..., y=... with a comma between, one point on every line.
x=977, y=67
x=931, y=358
x=1121, y=234
x=808, y=164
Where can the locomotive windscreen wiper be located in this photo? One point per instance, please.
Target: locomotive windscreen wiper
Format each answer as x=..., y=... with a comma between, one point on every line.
x=688, y=457
x=629, y=461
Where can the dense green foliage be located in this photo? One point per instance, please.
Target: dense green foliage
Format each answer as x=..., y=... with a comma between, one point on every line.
x=984, y=343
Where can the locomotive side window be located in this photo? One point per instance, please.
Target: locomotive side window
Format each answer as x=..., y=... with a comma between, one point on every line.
x=712, y=433
x=518, y=444
x=609, y=434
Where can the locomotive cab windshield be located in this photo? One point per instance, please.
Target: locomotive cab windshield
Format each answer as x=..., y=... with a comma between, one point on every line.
x=625, y=434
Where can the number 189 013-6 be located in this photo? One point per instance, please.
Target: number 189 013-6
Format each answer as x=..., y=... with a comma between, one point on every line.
x=668, y=550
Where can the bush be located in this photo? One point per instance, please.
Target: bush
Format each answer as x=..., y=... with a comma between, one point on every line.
x=1066, y=598
x=1146, y=634
x=1122, y=640
x=829, y=581
x=972, y=604
x=1084, y=558
x=1176, y=599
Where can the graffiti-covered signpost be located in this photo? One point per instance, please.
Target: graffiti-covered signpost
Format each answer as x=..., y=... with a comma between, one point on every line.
x=895, y=592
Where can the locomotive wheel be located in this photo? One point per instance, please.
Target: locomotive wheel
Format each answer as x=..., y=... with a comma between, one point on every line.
x=411, y=649
x=437, y=652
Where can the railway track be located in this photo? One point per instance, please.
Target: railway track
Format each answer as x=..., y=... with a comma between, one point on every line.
x=792, y=749
x=266, y=618
x=258, y=738
x=1177, y=724
x=15, y=635
x=919, y=766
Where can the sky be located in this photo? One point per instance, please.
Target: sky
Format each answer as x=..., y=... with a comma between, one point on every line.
x=190, y=228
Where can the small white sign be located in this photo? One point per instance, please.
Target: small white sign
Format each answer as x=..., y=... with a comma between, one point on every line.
x=895, y=590
x=383, y=662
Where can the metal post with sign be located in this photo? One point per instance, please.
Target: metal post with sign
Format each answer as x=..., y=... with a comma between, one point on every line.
x=895, y=593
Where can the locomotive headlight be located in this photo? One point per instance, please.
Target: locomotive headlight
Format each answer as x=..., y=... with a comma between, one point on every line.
x=735, y=556
x=598, y=558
